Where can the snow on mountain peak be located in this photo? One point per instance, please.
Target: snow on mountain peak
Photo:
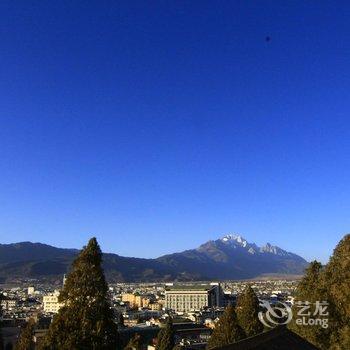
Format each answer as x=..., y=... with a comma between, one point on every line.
x=235, y=238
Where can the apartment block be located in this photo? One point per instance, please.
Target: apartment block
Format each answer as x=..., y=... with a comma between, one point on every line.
x=185, y=298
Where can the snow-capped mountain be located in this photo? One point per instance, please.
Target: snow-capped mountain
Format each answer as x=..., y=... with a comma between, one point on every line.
x=237, y=240
x=229, y=257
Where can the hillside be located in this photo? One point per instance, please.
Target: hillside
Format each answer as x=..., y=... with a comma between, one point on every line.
x=230, y=257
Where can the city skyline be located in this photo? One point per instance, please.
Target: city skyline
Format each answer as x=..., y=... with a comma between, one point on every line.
x=159, y=127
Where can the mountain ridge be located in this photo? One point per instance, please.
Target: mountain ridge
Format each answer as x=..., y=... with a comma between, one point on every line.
x=229, y=257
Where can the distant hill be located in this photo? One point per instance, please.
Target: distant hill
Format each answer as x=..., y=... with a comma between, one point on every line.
x=230, y=257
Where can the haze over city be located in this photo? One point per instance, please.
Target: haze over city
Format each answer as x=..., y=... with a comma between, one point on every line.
x=157, y=127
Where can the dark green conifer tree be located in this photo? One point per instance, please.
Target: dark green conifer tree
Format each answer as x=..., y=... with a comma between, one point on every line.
x=165, y=339
x=330, y=284
x=247, y=310
x=134, y=343
x=120, y=320
x=86, y=320
x=336, y=281
x=227, y=330
x=310, y=290
x=25, y=340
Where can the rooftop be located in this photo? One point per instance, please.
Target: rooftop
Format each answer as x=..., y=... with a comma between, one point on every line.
x=279, y=338
x=195, y=287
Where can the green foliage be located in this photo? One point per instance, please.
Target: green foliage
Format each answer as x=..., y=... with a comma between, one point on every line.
x=337, y=285
x=25, y=341
x=227, y=330
x=311, y=282
x=120, y=321
x=165, y=337
x=134, y=343
x=247, y=310
x=331, y=284
x=310, y=289
x=343, y=338
x=86, y=320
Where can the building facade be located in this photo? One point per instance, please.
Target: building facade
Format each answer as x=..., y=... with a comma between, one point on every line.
x=51, y=304
x=8, y=304
x=136, y=300
x=185, y=298
x=31, y=291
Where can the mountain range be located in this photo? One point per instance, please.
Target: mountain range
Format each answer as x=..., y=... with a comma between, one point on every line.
x=227, y=258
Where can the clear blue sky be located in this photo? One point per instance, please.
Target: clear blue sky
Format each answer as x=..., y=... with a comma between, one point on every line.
x=159, y=125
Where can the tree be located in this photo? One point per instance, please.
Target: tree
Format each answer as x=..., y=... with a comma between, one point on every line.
x=227, y=330
x=337, y=285
x=343, y=339
x=165, y=337
x=25, y=341
x=120, y=320
x=330, y=284
x=86, y=319
x=247, y=310
x=134, y=343
x=309, y=291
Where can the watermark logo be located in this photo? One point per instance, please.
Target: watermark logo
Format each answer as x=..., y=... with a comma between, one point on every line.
x=308, y=314
x=307, y=317
x=278, y=314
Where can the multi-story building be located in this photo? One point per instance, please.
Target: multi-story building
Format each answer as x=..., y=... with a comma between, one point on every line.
x=128, y=298
x=185, y=298
x=51, y=304
x=30, y=290
x=136, y=300
x=8, y=304
x=155, y=306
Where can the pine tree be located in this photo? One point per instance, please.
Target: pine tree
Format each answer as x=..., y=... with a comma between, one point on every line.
x=330, y=284
x=343, y=338
x=227, y=330
x=165, y=337
x=337, y=285
x=86, y=320
x=134, y=343
x=120, y=320
x=247, y=310
x=310, y=290
x=25, y=341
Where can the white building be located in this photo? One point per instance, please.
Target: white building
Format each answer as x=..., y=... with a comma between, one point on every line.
x=50, y=301
x=8, y=304
x=185, y=298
